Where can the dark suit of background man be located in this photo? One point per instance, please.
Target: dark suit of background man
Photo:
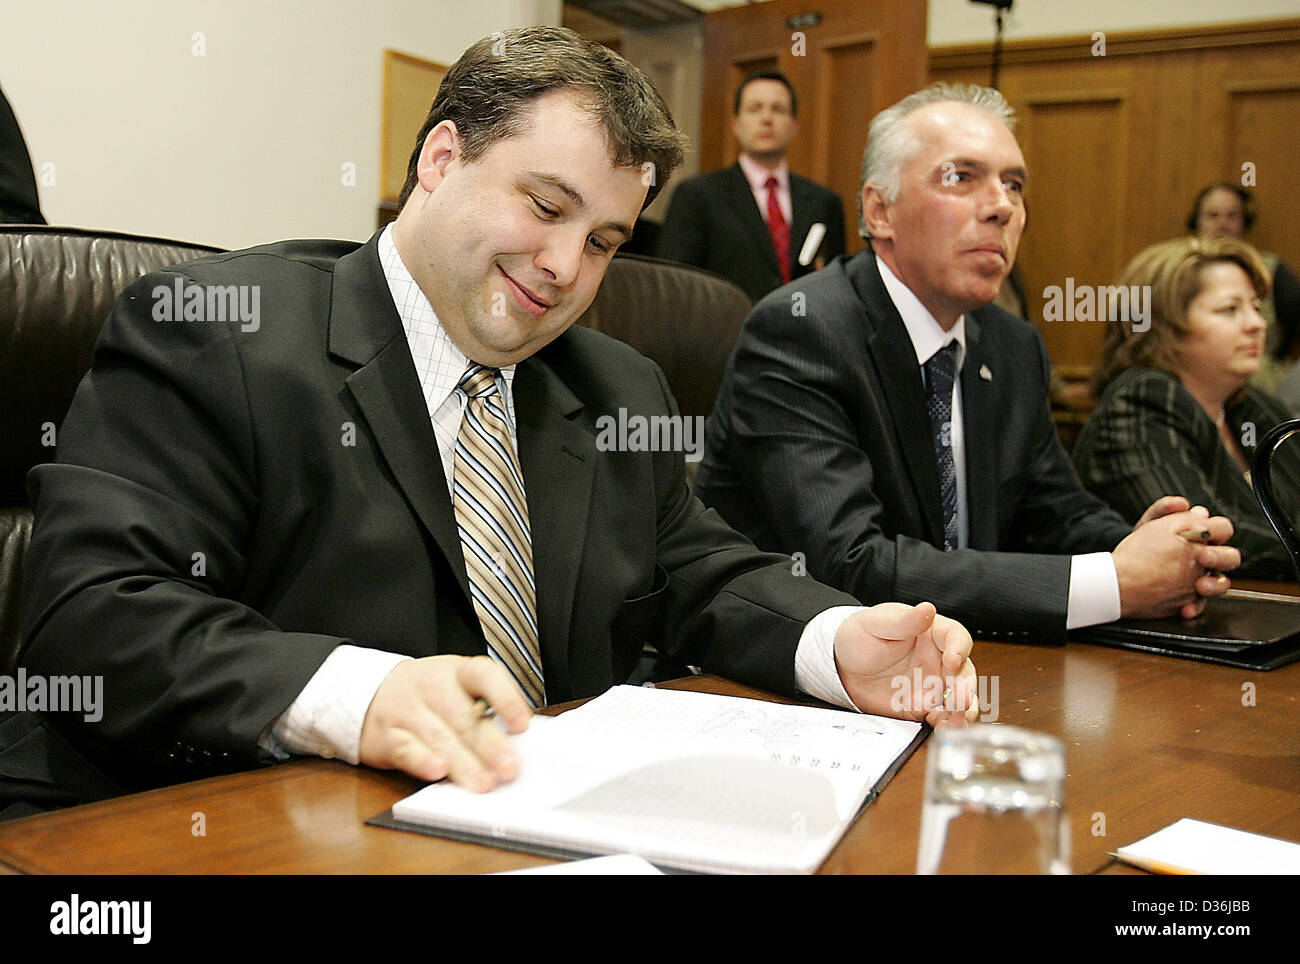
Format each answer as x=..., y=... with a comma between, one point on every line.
x=250, y=531
x=19, y=202
x=886, y=421
x=723, y=221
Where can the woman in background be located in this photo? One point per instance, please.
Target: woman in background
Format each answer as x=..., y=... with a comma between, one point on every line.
x=1177, y=415
x=1223, y=210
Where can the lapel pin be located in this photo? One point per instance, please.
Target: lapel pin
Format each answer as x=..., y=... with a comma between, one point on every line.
x=985, y=373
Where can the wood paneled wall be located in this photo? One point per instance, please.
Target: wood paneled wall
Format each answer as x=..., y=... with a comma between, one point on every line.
x=1118, y=144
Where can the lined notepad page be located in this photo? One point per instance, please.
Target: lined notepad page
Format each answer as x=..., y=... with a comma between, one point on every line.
x=689, y=779
x=836, y=744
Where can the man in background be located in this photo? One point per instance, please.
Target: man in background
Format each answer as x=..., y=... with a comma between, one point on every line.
x=19, y=202
x=750, y=222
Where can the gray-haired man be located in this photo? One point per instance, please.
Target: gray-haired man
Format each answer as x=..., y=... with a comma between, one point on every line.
x=887, y=422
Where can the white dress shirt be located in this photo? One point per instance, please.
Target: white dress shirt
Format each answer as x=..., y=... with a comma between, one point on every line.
x=326, y=718
x=1094, y=583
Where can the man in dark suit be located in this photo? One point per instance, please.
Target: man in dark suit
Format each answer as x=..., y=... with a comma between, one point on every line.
x=750, y=222
x=332, y=521
x=19, y=203
x=886, y=422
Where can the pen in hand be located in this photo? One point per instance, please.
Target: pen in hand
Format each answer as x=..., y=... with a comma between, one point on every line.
x=1199, y=537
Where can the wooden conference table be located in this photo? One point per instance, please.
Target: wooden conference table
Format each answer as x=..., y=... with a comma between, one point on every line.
x=1148, y=739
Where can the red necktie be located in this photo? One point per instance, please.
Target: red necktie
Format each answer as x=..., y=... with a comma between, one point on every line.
x=780, y=231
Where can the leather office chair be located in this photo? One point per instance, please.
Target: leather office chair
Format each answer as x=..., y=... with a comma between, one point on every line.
x=685, y=319
x=56, y=287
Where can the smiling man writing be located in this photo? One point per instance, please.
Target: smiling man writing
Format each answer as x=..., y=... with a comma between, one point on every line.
x=337, y=534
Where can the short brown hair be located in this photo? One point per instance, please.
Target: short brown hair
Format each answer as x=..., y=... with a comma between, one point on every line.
x=776, y=75
x=488, y=91
x=1172, y=270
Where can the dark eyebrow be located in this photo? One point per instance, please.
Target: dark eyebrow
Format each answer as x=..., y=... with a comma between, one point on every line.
x=565, y=188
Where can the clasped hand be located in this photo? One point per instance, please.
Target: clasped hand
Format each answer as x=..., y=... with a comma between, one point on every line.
x=1173, y=560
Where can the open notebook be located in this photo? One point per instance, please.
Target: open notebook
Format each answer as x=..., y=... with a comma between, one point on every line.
x=686, y=780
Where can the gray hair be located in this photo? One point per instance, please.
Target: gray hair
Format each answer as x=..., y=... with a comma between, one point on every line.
x=890, y=142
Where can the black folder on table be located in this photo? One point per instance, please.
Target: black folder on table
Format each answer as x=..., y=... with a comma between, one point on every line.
x=1252, y=630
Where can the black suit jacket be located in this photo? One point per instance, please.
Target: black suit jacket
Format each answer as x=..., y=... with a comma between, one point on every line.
x=1149, y=437
x=820, y=444
x=228, y=506
x=713, y=223
x=19, y=202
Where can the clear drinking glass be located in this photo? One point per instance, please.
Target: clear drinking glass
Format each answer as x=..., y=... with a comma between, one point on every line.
x=994, y=803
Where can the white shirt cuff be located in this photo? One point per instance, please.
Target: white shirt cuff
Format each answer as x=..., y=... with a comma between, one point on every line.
x=326, y=718
x=814, y=661
x=1094, y=591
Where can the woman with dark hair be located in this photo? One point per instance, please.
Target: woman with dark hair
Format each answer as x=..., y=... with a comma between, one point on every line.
x=1224, y=210
x=1177, y=414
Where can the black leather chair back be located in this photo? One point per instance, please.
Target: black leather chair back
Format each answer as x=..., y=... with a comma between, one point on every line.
x=56, y=287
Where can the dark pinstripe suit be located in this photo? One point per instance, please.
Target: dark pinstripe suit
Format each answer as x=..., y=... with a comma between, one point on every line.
x=1148, y=437
x=820, y=444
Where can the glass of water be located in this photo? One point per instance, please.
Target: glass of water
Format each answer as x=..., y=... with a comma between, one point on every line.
x=994, y=803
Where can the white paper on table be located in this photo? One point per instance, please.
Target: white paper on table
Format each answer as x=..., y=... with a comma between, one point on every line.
x=1195, y=847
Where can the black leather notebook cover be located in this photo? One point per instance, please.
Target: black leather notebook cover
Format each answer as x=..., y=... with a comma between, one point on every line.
x=1246, y=629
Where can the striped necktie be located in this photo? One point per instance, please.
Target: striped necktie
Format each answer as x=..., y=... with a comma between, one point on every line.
x=492, y=515
x=940, y=374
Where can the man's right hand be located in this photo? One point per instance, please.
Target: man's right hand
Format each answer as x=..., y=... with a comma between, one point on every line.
x=423, y=720
x=1163, y=574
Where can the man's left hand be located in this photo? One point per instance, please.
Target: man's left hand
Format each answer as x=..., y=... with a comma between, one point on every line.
x=878, y=651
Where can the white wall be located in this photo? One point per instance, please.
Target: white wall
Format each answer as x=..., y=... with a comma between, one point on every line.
x=962, y=22
x=242, y=145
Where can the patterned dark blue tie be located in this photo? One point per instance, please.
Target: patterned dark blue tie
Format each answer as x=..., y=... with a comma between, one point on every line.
x=940, y=371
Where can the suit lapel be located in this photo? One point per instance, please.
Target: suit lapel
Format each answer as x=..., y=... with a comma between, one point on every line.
x=979, y=428
x=366, y=330
x=740, y=199
x=800, y=219
x=558, y=458
x=899, y=375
